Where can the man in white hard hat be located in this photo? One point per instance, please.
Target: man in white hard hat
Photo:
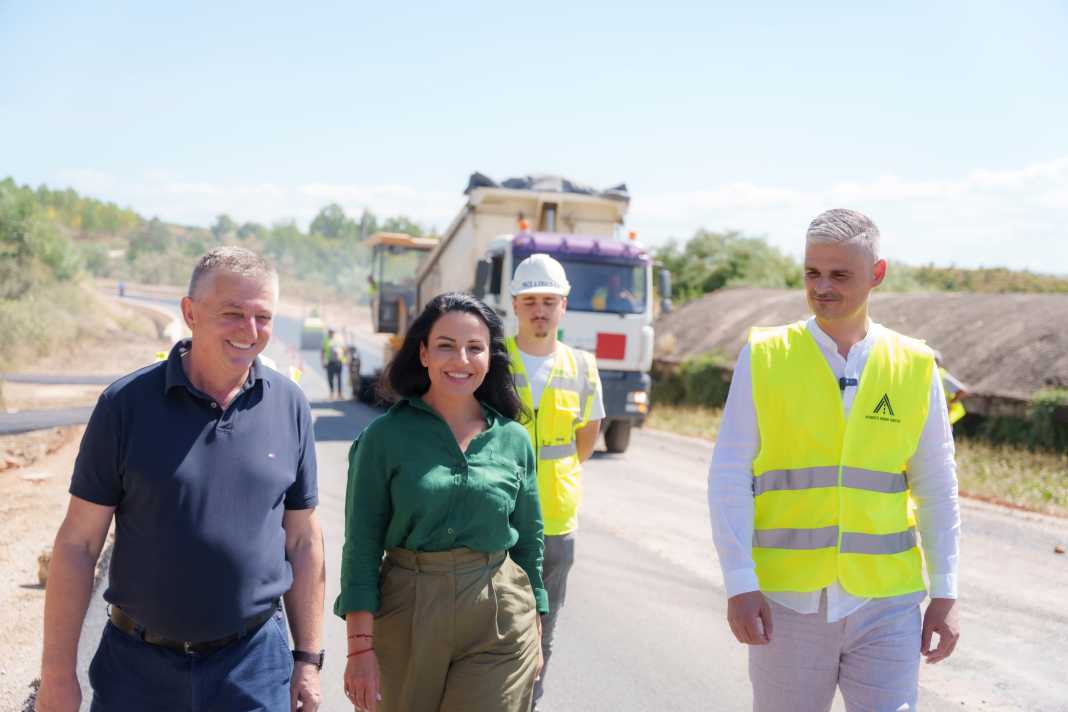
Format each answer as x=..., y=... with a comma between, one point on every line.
x=560, y=387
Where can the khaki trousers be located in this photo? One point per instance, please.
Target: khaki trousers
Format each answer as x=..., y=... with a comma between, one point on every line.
x=872, y=655
x=456, y=630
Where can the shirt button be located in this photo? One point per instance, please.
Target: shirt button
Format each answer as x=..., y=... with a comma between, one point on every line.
x=214, y=405
x=451, y=532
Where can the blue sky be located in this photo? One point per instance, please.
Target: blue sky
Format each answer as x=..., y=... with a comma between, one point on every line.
x=946, y=121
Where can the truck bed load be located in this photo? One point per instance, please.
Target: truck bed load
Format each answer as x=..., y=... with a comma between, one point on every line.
x=549, y=204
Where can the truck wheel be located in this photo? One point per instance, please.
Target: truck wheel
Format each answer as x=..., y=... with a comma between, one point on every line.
x=367, y=390
x=617, y=436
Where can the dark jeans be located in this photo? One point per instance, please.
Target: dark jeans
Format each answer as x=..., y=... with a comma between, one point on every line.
x=333, y=374
x=556, y=565
x=253, y=673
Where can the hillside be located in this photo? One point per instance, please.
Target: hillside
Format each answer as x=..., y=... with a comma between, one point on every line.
x=1004, y=345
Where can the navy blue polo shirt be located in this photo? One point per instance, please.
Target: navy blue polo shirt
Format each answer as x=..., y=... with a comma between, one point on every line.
x=199, y=493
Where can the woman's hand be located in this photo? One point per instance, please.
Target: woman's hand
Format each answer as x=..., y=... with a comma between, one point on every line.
x=361, y=681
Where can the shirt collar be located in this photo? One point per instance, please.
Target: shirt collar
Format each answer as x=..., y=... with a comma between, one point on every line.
x=491, y=415
x=823, y=338
x=176, y=376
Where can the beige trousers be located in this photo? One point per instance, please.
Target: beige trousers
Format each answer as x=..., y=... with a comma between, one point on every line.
x=872, y=655
x=456, y=630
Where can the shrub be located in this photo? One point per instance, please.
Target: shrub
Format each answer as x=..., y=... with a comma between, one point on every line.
x=703, y=380
x=1047, y=431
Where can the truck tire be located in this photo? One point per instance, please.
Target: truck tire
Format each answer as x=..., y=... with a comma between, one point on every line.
x=367, y=390
x=617, y=436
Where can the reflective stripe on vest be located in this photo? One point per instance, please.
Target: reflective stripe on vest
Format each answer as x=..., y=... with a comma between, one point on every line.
x=813, y=477
x=564, y=407
x=827, y=537
x=831, y=494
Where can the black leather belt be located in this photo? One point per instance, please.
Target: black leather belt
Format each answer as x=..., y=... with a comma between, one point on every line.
x=128, y=625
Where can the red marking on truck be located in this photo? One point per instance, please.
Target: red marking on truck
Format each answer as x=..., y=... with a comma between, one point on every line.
x=611, y=346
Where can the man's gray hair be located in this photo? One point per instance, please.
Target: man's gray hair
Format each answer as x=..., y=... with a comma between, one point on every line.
x=841, y=226
x=237, y=260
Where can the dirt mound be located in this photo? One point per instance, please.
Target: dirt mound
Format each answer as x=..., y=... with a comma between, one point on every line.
x=1008, y=345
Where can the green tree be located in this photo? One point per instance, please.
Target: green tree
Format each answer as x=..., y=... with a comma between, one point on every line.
x=402, y=223
x=223, y=227
x=368, y=224
x=713, y=260
x=332, y=222
x=251, y=230
x=153, y=238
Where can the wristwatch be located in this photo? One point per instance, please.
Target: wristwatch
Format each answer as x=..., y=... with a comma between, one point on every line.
x=315, y=659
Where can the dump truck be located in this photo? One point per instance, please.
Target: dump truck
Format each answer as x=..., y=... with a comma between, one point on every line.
x=613, y=299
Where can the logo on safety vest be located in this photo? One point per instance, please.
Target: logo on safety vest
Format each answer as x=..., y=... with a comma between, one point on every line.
x=883, y=407
x=883, y=411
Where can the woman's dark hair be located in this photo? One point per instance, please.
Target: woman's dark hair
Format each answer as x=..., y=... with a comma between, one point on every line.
x=407, y=377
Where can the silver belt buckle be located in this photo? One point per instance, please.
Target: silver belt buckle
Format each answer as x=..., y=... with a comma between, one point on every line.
x=187, y=645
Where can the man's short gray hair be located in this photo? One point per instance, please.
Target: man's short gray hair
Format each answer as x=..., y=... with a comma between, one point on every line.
x=237, y=260
x=841, y=226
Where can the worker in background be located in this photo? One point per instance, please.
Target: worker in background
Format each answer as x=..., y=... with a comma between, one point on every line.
x=334, y=358
x=831, y=424
x=613, y=296
x=561, y=388
x=955, y=391
x=354, y=371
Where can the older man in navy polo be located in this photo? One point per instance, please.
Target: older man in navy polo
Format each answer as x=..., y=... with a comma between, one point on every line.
x=206, y=461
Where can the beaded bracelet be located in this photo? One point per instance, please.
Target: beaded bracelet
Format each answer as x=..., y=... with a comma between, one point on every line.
x=359, y=652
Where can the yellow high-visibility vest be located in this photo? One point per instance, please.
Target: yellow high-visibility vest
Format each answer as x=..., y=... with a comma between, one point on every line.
x=956, y=408
x=565, y=406
x=831, y=494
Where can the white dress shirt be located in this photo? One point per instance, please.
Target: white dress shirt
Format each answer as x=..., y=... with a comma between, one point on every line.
x=932, y=475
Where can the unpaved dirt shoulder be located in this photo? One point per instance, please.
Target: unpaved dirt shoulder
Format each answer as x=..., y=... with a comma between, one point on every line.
x=33, y=501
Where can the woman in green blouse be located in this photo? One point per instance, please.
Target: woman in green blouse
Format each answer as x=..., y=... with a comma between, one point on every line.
x=446, y=484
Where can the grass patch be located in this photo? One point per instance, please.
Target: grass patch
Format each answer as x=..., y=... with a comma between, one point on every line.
x=1036, y=479
x=1033, y=479
x=694, y=420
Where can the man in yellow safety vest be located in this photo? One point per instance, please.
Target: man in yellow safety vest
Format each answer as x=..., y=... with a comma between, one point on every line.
x=830, y=426
x=560, y=387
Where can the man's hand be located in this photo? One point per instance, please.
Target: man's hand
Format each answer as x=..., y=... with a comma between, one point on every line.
x=940, y=617
x=304, y=601
x=749, y=615
x=304, y=690
x=59, y=694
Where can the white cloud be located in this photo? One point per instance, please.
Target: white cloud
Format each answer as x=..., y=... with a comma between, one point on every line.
x=1016, y=217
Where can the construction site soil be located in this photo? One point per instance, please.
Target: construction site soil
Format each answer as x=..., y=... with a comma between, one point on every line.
x=1001, y=345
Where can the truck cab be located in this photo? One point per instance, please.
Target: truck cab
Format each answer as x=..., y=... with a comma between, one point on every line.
x=609, y=313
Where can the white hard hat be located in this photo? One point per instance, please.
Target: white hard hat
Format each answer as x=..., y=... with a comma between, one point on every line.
x=540, y=274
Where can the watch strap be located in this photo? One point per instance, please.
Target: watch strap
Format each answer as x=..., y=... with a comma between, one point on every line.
x=316, y=659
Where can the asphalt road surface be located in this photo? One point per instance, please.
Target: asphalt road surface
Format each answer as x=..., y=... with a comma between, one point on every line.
x=644, y=627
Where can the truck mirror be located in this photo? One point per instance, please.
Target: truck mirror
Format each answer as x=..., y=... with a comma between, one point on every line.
x=665, y=291
x=482, y=276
